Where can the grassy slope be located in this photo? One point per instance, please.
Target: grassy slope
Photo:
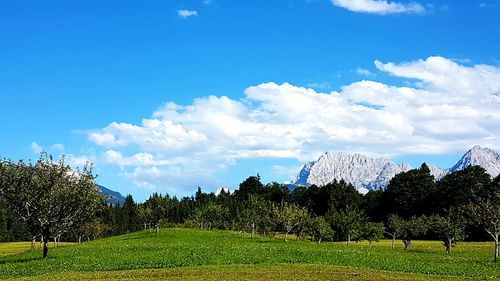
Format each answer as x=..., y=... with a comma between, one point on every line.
x=220, y=249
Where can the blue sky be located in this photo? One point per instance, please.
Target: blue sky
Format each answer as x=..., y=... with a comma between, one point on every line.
x=168, y=95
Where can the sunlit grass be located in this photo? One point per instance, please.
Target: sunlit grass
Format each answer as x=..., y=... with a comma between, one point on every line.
x=181, y=249
x=13, y=248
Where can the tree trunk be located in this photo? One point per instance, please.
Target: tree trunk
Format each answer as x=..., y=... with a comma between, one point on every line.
x=253, y=230
x=448, y=246
x=286, y=234
x=45, y=247
x=79, y=239
x=319, y=241
x=157, y=230
x=393, y=241
x=33, y=243
x=497, y=249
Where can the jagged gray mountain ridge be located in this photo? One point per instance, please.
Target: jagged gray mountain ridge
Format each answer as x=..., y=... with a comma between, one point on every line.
x=367, y=173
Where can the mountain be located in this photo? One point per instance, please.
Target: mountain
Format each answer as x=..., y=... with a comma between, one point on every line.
x=362, y=171
x=113, y=197
x=480, y=156
x=367, y=173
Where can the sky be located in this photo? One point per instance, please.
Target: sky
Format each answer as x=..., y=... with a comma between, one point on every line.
x=166, y=96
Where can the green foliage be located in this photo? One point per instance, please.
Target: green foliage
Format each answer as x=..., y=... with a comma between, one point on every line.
x=486, y=212
x=347, y=223
x=320, y=229
x=372, y=232
x=409, y=193
x=412, y=228
x=450, y=229
x=3, y=224
x=51, y=197
x=290, y=217
x=459, y=189
x=211, y=216
x=251, y=185
x=395, y=227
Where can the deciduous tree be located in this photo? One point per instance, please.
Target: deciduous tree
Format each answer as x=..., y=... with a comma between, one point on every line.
x=52, y=197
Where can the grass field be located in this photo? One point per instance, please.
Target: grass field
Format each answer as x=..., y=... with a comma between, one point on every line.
x=8, y=249
x=185, y=254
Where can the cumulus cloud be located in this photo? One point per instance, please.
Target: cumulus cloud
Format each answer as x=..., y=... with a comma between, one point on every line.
x=36, y=148
x=381, y=7
x=448, y=108
x=187, y=13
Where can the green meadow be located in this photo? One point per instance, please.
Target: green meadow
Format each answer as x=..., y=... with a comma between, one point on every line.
x=188, y=254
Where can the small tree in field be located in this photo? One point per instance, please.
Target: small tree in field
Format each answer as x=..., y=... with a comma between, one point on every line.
x=411, y=228
x=145, y=214
x=486, y=212
x=51, y=197
x=348, y=223
x=319, y=228
x=255, y=213
x=394, y=228
x=450, y=230
x=372, y=231
x=290, y=216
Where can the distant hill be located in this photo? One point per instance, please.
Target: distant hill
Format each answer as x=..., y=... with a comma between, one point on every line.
x=367, y=173
x=113, y=197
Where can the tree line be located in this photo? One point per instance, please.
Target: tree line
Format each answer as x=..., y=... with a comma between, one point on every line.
x=462, y=205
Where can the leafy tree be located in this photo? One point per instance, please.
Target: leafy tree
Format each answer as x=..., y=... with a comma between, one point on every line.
x=211, y=216
x=372, y=231
x=373, y=206
x=395, y=227
x=291, y=216
x=347, y=223
x=251, y=185
x=320, y=229
x=412, y=228
x=450, y=229
x=409, y=193
x=255, y=213
x=145, y=214
x=52, y=197
x=461, y=188
x=94, y=230
x=486, y=212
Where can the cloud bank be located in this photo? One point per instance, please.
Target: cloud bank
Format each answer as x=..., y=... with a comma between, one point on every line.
x=447, y=107
x=381, y=7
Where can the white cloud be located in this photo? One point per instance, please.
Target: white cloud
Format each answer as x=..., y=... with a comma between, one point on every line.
x=36, y=148
x=57, y=147
x=363, y=72
x=187, y=13
x=78, y=161
x=450, y=108
x=381, y=7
